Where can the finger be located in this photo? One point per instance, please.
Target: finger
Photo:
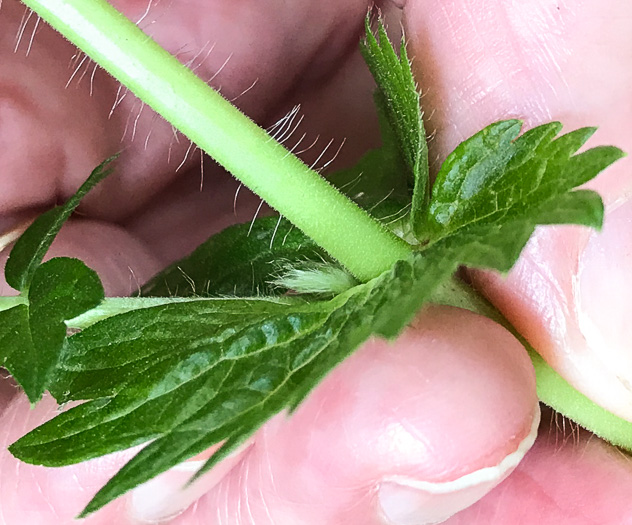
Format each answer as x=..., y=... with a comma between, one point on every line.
x=52, y=137
x=405, y=433
x=569, y=477
x=61, y=121
x=32, y=494
x=122, y=262
x=55, y=496
x=542, y=60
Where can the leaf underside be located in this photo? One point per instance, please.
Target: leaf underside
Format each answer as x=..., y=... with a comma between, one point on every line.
x=192, y=375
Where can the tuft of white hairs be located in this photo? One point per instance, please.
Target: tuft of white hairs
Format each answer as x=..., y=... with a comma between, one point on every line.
x=315, y=278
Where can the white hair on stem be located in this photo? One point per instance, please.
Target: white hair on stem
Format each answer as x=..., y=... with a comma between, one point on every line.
x=118, y=99
x=381, y=200
x=76, y=70
x=186, y=156
x=178, y=53
x=328, y=163
x=276, y=228
x=288, y=128
x=129, y=118
x=188, y=279
x=252, y=222
x=154, y=117
x=72, y=63
x=322, y=154
x=308, y=147
x=235, y=199
x=201, y=170
x=26, y=16
x=286, y=235
x=221, y=68
x=397, y=216
x=84, y=73
x=282, y=120
x=175, y=139
x=190, y=63
x=134, y=280
x=144, y=15
x=232, y=100
x=278, y=130
x=35, y=28
x=293, y=148
x=94, y=72
x=142, y=107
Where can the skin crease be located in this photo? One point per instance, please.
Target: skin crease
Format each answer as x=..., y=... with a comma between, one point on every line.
x=339, y=440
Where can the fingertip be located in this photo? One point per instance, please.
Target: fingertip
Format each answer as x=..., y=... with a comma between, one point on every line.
x=406, y=501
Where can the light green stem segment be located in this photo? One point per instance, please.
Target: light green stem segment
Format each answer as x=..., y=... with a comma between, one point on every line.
x=348, y=233
x=118, y=305
x=7, y=303
x=553, y=390
x=111, y=306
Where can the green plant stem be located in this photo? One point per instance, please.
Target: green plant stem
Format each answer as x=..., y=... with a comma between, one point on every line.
x=9, y=302
x=333, y=221
x=112, y=306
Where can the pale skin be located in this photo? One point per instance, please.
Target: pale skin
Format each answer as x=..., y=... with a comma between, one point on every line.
x=456, y=393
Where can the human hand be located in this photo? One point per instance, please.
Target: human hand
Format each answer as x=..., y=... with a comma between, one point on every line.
x=371, y=419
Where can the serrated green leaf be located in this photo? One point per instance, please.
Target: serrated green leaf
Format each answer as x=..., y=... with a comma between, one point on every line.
x=31, y=247
x=496, y=178
x=32, y=335
x=583, y=207
x=397, y=98
x=194, y=374
x=190, y=375
x=241, y=261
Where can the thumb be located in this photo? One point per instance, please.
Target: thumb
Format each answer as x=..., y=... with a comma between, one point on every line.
x=541, y=60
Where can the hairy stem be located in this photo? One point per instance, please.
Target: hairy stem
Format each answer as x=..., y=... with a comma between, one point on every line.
x=348, y=233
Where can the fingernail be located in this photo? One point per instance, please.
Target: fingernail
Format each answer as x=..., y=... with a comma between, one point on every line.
x=603, y=301
x=406, y=501
x=167, y=495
